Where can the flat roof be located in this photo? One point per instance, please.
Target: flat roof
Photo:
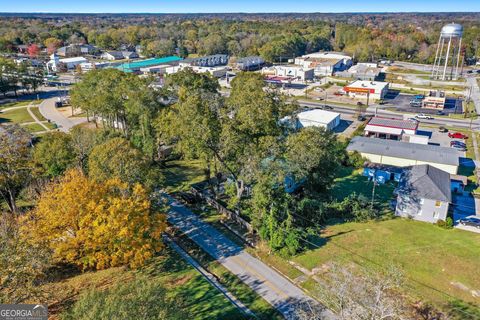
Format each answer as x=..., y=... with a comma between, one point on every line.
x=147, y=63
x=73, y=59
x=317, y=116
x=376, y=85
x=393, y=123
x=327, y=55
x=405, y=150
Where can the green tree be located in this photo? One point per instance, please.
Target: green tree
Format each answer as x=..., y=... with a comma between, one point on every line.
x=54, y=154
x=117, y=158
x=15, y=163
x=314, y=154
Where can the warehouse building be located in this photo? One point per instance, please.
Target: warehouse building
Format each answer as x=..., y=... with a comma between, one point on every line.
x=249, y=63
x=325, y=63
x=291, y=72
x=316, y=118
x=206, y=61
x=404, y=154
x=387, y=128
x=362, y=71
x=135, y=66
x=372, y=90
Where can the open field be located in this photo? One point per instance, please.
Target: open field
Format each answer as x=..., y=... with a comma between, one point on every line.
x=440, y=265
x=199, y=298
x=15, y=116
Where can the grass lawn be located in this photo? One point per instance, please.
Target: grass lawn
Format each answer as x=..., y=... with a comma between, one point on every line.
x=37, y=113
x=436, y=262
x=350, y=180
x=180, y=174
x=200, y=299
x=16, y=116
x=34, y=127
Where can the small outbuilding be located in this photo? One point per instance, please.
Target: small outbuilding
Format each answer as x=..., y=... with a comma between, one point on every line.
x=318, y=118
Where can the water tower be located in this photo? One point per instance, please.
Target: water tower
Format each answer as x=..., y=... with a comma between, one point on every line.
x=447, y=56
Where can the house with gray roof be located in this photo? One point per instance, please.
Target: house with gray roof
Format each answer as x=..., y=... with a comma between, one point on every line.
x=424, y=193
x=405, y=154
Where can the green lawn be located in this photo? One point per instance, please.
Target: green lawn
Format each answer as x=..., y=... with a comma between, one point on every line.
x=350, y=180
x=34, y=127
x=432, y=258
x=16, y=116
x=199, y=298
x=37, y=113
x=180, y=174
x=16, y=104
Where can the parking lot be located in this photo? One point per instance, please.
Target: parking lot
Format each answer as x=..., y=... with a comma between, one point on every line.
x=438, y=138
x=401, y=103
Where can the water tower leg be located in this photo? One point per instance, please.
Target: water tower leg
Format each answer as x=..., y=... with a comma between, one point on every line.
x=458, y=58
x=446, y=58
x=439, y=62
x=436, y=57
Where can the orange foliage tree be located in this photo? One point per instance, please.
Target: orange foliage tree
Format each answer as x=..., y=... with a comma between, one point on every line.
x=97, y=225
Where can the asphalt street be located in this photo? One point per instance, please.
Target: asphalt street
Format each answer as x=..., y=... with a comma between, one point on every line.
x=286, y=297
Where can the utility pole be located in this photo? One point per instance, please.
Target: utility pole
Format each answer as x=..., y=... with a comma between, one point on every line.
x=373, y=190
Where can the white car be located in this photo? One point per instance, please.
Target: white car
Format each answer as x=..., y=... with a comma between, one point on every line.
x=423, y=116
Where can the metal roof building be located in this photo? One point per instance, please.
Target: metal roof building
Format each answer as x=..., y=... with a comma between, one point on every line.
x=136, y=65
x=389, y=127
x=404, y=154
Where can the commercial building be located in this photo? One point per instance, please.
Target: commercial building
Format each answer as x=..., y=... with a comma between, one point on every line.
x=372, y=90
x=317, y=118
x=56, y=64
x=362, y=71
x=404, y=154
x=290, y=72
x=135, y=66
x=387, y=128
x=206, y=61
x=435, y=100
x=74, y=50
x=119, y=55
x=424, y=193
x=249, y=63
x=325, y=63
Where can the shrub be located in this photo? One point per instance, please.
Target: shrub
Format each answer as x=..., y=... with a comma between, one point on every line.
x=445, y=224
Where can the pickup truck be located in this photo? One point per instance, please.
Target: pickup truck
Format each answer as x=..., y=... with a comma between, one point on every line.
x=423, y=116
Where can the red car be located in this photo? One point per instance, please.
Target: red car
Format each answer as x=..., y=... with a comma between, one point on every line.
x=457, y=135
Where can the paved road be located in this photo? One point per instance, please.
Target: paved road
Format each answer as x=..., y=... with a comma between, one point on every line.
x=48, y=110
x=209, y=277
x=461, y=123
x=475, y=93
x=269, y=284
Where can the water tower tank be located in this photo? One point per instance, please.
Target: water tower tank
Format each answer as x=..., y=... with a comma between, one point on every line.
x=453, y=30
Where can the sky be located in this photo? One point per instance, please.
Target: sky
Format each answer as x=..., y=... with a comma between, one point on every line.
x=196, y=6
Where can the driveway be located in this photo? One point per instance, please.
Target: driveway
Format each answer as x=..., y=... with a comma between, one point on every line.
x=49, y=111
x=266, y=282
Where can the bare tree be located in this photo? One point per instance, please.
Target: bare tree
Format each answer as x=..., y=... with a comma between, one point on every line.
x=357, y=293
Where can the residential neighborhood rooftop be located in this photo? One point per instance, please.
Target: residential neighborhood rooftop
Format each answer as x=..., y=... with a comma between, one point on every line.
x=425, y=181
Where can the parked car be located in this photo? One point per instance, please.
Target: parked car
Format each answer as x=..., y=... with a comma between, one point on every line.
x=440, y=113
x=413, y=119
x=361, y=118
x=419, y=97
x=423, y=116
x=458, y=143
x=442, y=129
x=325, y=107
x=472, y=221
x=415, y=103
x=457, y=135
x=359, y=103
x=459, y=148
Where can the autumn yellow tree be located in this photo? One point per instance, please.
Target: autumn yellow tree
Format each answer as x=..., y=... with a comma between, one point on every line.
x=97, y=225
